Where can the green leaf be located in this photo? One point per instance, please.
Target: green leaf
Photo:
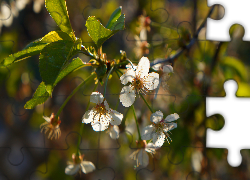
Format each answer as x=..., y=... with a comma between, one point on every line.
x=119, y=24
x=52, y=59
x=99, y=33
x=75, y=48
x=41, y=94
x=73, y=66
x=35, y=47
x=114, y=16
x=236, y=65
x=58, y=11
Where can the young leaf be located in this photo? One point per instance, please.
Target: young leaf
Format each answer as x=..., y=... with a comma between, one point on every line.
x=41, y=94
x=58, y=11
x=35, y=47
x=99, y=33
x=119, y=23
x=114, y=16
x=52, y=59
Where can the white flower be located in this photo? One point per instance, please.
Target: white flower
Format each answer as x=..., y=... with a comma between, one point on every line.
x=114, y=132
x=52, y=125
x=141, y=82
x=158, y=131
x=101, y=115
x=140, y=155
x=79, y=165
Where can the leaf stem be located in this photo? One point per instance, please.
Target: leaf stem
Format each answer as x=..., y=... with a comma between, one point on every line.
x=137, y=125
x=152, y=111
x=106, y=81
x=72, y=93
x=82, y=125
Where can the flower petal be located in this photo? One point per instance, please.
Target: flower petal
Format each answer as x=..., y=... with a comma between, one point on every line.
x=96, y=97
x=147, y=132
x=100, y=123
x=156, y=117
x=143, y=67
x=171, y=117
x=167, y=69
x=143, y=158
x=127, y=96
x=143, y=34
x=88, y=116
x=128, y=76
x=87, y=167
x=116, y=117
x=169, y=127
x=158, y=139
x=156, y=67
x=114, y=132
x=150, y=148
x=151, y=81
x=72, y=169
x=46, y=118
x=106, y=105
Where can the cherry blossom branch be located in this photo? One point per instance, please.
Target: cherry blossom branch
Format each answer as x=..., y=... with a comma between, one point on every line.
x=170, y=59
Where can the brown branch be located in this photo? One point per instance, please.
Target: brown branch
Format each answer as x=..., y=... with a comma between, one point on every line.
x=187, y=47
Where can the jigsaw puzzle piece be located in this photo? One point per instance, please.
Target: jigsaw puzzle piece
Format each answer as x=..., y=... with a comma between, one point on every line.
x=224, y=138
x=234, y=14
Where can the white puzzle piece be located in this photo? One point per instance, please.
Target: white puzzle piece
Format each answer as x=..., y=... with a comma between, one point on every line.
x=236, y=12
x=235, y=134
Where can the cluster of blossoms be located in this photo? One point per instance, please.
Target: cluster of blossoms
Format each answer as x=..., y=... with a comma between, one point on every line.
x=137, y=80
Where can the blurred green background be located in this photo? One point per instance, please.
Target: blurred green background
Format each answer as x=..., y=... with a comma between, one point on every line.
x=199, y=71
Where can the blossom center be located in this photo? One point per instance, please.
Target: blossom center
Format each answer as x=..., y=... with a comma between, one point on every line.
x=100, y=108
x=54, y=121
x=159, y=126
x=138, y=83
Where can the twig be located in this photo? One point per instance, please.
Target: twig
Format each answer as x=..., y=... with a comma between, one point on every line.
x=181, y=50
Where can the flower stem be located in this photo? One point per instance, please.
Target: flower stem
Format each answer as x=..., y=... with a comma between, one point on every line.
x=125, y=117
x=72, y=93
x=82, y=125
x=106, y=82
x=133, y=108
x=152, y=111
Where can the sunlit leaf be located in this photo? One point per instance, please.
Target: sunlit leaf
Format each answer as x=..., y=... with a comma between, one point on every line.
x=58, y=11
x=99, y=33
x=114, y=16
x=35, y=47
x=41, y=94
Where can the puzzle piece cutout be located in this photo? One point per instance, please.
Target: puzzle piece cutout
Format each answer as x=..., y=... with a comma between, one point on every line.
x=225, y=138
x=234, y=14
